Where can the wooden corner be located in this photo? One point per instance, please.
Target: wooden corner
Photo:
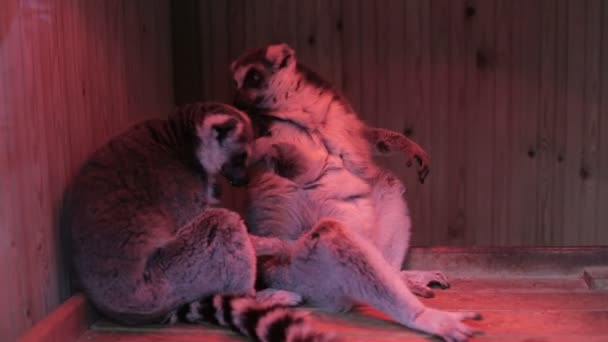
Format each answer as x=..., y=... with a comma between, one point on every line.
x=66, y=323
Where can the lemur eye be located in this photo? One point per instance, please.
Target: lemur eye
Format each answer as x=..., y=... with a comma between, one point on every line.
x=253, y=79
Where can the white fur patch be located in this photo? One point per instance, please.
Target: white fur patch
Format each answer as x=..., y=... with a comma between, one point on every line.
x=219, y=312
x=239, y=307
x=211, y=154
x=193, y=314
x=266, y=321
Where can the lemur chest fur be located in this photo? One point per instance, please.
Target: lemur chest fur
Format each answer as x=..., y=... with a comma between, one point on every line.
x=327, y=175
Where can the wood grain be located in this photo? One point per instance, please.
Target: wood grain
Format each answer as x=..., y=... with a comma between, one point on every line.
x=66, y=323
x=509, y=98
x=72, y=73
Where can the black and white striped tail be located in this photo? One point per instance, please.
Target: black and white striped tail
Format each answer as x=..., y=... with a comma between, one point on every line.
x=256, y=320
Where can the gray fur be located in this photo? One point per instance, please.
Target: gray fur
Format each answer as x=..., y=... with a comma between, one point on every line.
x=146, y=238
x=317, y=187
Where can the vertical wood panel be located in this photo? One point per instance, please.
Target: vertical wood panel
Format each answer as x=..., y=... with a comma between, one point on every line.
x=502, y=130
x=71, y=74
x=438, y=112
x=556, y=230
x=546, y=129
x=591, y=138
x=574, y=120
x=524, y=97
x=351, y=77
x=508, y=96
x=602, y=213
x=417, y=86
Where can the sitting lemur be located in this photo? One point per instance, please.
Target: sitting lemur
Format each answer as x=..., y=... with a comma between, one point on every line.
x=149, y=243
x=342, y=224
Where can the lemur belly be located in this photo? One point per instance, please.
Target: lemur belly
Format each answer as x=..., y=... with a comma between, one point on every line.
x=335, y=191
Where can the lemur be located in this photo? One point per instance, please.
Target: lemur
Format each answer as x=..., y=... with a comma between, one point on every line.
x=318, y=188
x=148, y=243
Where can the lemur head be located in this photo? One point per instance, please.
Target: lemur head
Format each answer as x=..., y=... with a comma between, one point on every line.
x=260, y=75
x=225, y=137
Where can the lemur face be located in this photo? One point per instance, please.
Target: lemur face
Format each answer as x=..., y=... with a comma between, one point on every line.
x=226, y=138
x=261, y=74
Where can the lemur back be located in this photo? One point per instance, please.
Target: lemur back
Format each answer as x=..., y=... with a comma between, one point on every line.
x=148, y=243
x=318, y=188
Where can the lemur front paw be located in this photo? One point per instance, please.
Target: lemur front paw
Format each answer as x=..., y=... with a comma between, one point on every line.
x=446, y=325
x=415, y=152
x=420, y=282
x=279, y=297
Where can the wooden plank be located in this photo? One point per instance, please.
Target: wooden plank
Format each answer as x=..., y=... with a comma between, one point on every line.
x=307, y=41
x=602, y=215
x=206, y=46
x=384, y=38
x=250, y=24
x=218, y=52
x=518, y=136
x=394, y=109
x=417, y=95
x=65, y=89
x=524, y=90
x=438, y=113
x=18, y=306
x=186, y=48
x=502, y=130
x=236, y=30
x=529, y=313
x=8, y=321
x=328, y=47
x=263, y=23
x=497, y=262
x=546, y=124
x=351, y=55
x=591, y=139
x=575, y=107
x=284, y=21
x=454, y=164
x=66, y=323
x=368, y=66
x=556, y=231
x=480, y=128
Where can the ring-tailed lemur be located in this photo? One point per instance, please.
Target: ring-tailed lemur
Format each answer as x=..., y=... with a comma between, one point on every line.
x=347, y=216
x=147, y=243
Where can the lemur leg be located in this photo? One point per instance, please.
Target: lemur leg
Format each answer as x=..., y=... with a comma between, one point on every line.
x=333, y=268
x=394, y=230
x=210, y=255
x=386, y=142
x=270, y=246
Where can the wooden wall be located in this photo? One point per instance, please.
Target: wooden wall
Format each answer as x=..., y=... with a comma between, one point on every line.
x=510, y=97
x=71, y=74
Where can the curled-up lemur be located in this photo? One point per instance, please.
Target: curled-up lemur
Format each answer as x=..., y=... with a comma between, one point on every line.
x=147, y=243
x=318, y=188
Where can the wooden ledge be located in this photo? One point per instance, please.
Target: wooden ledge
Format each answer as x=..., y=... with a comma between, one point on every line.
x=66, y=323
x=480, y=262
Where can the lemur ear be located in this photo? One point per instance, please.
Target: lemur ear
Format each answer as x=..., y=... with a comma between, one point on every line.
x=281, y=56
x=223, y=129
x=233, y=66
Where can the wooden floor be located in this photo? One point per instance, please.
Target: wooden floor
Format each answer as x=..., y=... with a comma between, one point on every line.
x=514, y=309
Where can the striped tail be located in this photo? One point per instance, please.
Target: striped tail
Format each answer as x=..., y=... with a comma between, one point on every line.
x=252, y=318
